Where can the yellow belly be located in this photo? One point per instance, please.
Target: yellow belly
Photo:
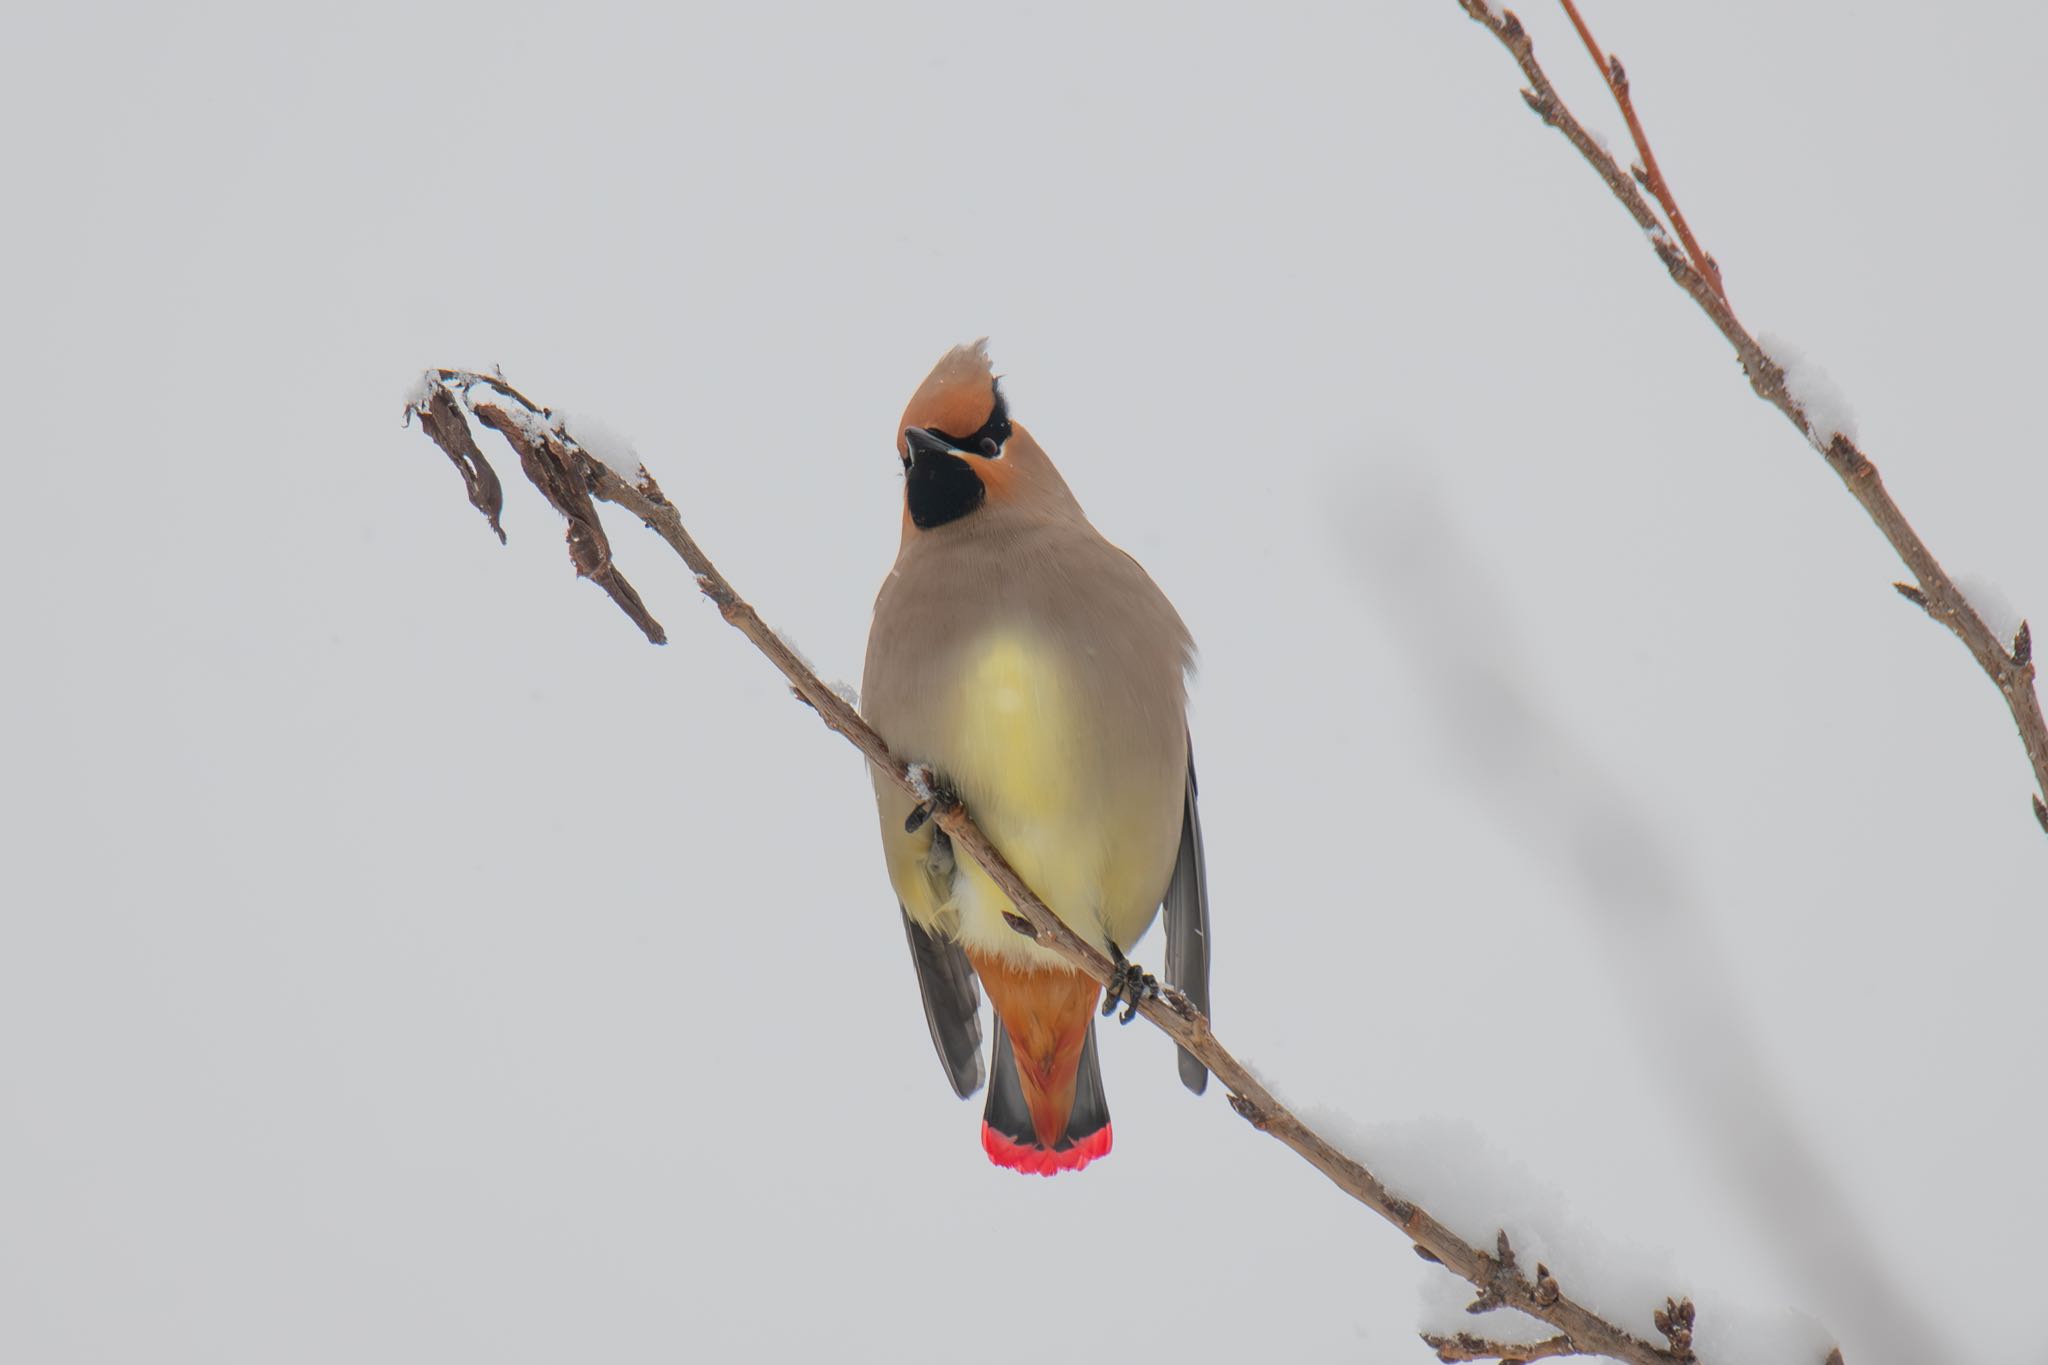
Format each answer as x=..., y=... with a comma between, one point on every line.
x=1026, y=756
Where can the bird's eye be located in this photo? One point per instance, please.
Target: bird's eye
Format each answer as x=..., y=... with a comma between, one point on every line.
x=991, y=447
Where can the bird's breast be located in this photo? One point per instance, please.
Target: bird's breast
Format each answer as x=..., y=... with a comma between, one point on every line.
x=1015, y=725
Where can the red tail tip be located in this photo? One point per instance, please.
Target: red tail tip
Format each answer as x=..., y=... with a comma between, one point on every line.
x=1036, y=1160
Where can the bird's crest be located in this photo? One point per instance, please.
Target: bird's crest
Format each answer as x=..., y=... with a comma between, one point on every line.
x=958, y=397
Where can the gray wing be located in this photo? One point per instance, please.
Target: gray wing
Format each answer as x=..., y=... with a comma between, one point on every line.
x=951, y=999
x=1187, y=928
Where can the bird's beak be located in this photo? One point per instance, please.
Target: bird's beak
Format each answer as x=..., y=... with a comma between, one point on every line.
x=922, y=443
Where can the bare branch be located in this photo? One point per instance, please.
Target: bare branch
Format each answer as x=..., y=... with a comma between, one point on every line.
x=1693, y=271
x=550, y=454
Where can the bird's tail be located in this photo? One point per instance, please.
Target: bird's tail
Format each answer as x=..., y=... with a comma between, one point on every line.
x=1012, y=1127
x=1046, y=1112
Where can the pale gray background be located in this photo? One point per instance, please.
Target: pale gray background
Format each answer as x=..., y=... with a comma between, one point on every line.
x=347, y=1015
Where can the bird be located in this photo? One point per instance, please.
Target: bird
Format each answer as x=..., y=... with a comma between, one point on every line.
x=1040, y=676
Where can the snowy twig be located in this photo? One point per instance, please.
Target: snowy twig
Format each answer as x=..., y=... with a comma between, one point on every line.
x=534, y=433
x=2009, y=664
x=1466, y=1346
x=562, y=468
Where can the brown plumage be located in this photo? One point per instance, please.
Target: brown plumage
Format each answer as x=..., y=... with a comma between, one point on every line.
x=1039, y=671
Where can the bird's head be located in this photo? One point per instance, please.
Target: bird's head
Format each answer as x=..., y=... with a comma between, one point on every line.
x=963, y=457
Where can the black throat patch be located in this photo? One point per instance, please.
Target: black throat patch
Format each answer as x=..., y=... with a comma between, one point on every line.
x=939, y=488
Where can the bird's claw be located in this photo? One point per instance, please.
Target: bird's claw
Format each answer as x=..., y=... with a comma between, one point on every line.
x=1129, y=985
x=935, y=796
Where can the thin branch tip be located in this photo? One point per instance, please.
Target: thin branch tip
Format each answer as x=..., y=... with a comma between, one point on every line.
x=1647, y=172
x=1698, y=273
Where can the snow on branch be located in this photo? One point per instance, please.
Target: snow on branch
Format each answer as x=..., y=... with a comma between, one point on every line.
x=1788, y=383
x=570, y=476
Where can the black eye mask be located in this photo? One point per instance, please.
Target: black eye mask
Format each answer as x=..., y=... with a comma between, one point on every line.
x=989, y=440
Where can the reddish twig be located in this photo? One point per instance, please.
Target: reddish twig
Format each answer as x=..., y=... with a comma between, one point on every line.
x=555, y=461
x=2009, y=664
x=1650, y=174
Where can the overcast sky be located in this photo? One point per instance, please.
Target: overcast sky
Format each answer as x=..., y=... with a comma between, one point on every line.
x=403, y=961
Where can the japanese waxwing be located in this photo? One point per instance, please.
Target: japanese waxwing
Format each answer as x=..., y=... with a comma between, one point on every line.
x=1041, y=675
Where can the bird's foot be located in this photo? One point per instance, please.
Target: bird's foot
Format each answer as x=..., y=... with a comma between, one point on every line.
x=933, y=796
x=1129, y=985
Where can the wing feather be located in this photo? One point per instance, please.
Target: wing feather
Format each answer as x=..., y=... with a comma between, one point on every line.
x=952, y=1001
x=1187, y=927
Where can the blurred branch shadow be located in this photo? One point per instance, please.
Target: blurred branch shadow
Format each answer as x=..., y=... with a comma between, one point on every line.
x=1429, y=583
